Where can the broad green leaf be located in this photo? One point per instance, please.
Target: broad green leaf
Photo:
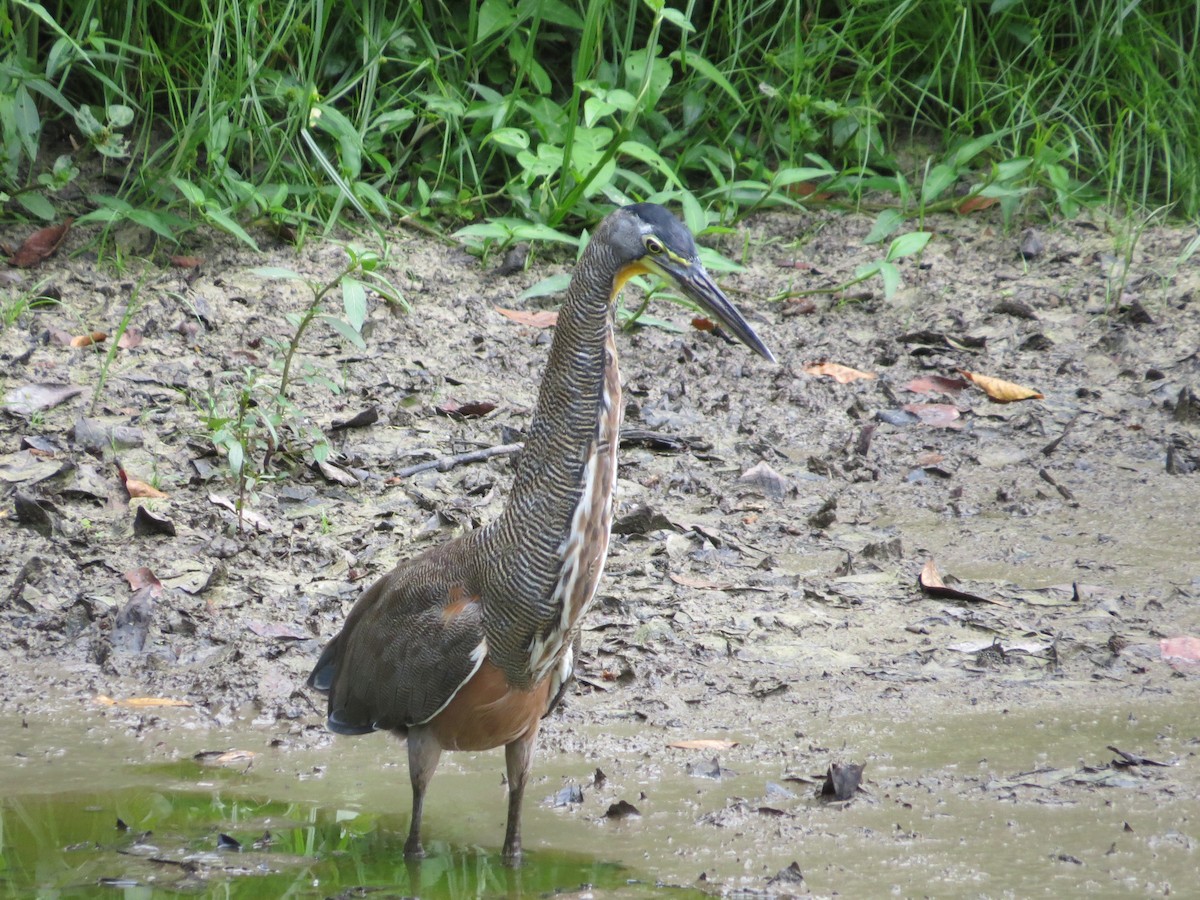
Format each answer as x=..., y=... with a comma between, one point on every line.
x=147, y=219
x=513, y=138
x=891, y=278
x=226, y=223
x=119, y=115
x=25, y=117
x=678, y=19
x=554, y=284
x=494, y=15
x=595, y=109
x=885, y=226
x=939, y=178
x=800, y=174
x=968, y=151
x=354, y=301
x=236, y=457
x=40, y=206
x=908, y=244
x=535, y=232
x=484, y=231
x=191, y=193
x=276, y=272
x=649, y=156
x=342, y=327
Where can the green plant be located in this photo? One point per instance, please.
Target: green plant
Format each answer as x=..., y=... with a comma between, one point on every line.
x=16, y=303
x=361, y=269
x=114, y=341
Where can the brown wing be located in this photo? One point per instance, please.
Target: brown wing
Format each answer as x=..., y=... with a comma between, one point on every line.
x=410, y=642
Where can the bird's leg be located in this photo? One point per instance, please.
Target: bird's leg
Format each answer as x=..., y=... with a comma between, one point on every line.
x=519, y=757
x=424, y=751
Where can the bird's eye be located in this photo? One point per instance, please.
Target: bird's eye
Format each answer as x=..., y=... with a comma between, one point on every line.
x=654, y=245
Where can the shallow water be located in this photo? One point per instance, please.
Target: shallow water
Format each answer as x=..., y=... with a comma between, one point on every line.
x=1012, y=804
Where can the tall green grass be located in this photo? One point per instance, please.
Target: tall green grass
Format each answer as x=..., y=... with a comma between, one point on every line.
x=288, y=112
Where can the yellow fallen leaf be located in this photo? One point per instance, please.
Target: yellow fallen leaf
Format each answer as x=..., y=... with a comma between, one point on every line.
x=703, y=744
x=141, y=702
x=839, y=373
x=141, y=489
x=86, y=340
x=1000, y=390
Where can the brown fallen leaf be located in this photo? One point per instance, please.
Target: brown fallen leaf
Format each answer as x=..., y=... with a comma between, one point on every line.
x=703, y=744
x=1000, y=390
x=700, y=323
x=537, y=318
x=137, y=488
x=86, y=340
x=142, y=577
x=936, y=415
x=930, y=581
x=974, y=204
x=472, y=409
x=935, y=384
x=700, y=584
x=839, y=373
x=186, y=262
x=141, y=702
x=40, y=245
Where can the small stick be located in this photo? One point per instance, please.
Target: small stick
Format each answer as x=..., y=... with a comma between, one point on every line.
x=446, y=463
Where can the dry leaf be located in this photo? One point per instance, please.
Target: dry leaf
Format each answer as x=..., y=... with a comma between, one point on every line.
x=141, y=489
x=538, y=318
x=936, y=415
x=703, y=744
x=839, y=373
x=700, y=323
x=185, y=262
x=930, y=581
x=142, y=577
x=974, y=204
x=702, y=584
x=31, y=398
x=141, y=702
x=39, y=245
x=936, y=384
x=86, y=340
x=472, y=409
x=1000, y=390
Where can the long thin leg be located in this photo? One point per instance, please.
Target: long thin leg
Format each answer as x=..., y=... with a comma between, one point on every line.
x=424, y=751
x=519, y=757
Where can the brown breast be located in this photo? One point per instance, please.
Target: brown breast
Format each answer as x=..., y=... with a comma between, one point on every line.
x=486, y=712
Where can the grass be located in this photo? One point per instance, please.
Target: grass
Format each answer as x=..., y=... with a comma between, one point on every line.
x=287, y=113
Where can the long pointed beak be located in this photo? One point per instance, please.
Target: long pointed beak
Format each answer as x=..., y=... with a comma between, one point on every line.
x=699, y=286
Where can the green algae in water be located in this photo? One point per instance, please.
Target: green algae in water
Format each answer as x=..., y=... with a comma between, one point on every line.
x=142, y=843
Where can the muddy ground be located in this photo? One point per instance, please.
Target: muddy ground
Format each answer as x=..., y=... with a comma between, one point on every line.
x=763, y=584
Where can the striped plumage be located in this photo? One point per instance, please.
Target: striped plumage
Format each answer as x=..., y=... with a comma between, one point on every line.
x=469, y=645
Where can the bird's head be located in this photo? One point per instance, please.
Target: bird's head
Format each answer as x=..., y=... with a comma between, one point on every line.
x=646, y=239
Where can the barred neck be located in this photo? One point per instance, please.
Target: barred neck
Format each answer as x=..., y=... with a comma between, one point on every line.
x=526, y=543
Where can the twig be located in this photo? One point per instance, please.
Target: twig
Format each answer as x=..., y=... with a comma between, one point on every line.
x=446, y=463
